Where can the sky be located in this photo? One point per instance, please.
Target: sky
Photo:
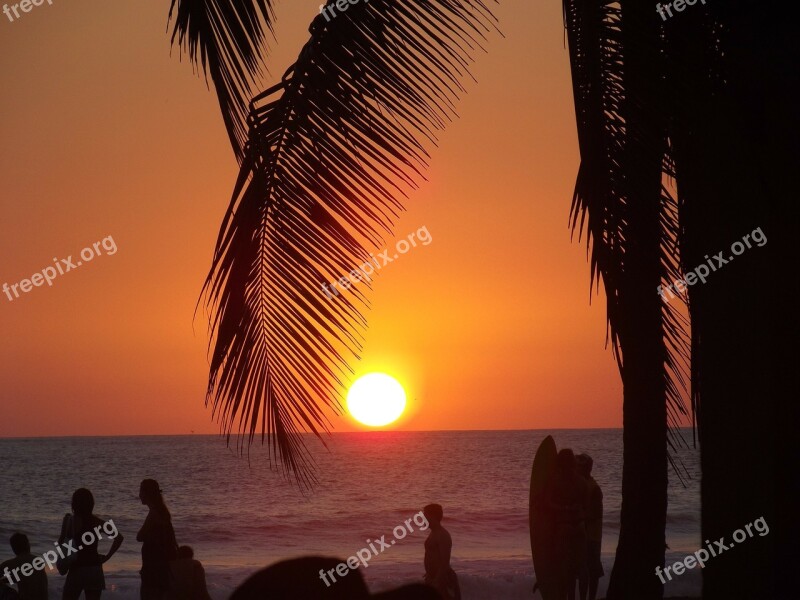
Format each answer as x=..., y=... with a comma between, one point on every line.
x=109, y=135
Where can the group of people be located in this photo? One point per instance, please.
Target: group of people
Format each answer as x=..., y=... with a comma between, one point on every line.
x=572, y=499
x=169, y=571
x=573, y=502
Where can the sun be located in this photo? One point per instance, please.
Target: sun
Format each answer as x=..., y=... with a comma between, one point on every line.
x=376, y=399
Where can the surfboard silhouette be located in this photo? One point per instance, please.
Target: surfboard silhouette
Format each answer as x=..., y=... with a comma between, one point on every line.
x=541, y=525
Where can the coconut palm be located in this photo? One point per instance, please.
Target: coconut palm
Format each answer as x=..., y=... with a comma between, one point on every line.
x=736, y=155
x=631, y=224
x=701, y=97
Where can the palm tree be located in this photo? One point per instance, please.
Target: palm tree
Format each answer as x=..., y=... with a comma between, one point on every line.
x=701, y=98
x=736, y=154
x=630, y=219
x=330, y=152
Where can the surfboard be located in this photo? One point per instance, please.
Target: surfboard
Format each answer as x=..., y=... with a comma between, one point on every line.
x=541, y=525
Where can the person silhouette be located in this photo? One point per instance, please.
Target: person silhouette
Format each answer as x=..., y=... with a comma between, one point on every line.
x=188, y=577
x=438, y=545
x=32, y=586
x=159, y=546
x=567, y=497
x=298, y=578
x=6, y=592
x=82, y=532
x=592, y=569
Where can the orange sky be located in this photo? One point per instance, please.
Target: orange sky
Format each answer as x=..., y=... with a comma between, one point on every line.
x=105, y=134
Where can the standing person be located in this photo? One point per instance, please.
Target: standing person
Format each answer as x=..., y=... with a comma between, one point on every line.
x=593, y=568
x=438, y=573
x=567, y=498
x=82, y=528
x=188, y=577
x=159, y=546
x=33, y=586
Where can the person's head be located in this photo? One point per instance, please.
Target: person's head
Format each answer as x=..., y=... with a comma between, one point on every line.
x=300, y=578
x=150, y=494
x=185, y=552
x=319, y=578
x=414, y=591
x=584, y=463
x=565, y=461
x=20, y=544
x=82, y=502
x=434, y=513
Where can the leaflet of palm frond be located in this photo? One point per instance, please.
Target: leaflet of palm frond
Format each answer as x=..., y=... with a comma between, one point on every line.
x=226, y=39
x=333, y=149
x=598, y=203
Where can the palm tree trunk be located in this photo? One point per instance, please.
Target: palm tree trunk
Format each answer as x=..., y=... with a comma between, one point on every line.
x=736, y=157
x=644, y=476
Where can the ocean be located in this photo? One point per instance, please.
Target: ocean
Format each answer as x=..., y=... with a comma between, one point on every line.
x=239, y=514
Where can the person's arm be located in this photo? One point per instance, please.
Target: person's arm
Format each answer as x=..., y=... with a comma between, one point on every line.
x=444, y=546
x=599, y=505
x=66, y=526
x=114, y=547
x=202, y=588
x=431, y=558
x=144, y=532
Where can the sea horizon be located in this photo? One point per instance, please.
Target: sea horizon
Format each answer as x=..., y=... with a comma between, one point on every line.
x=306, y=433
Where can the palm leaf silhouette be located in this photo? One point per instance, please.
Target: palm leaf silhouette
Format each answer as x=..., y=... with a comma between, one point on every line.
x=332, y=150
x=615, y=180
x=226, y=37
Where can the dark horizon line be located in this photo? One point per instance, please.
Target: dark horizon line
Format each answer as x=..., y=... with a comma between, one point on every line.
x=256, y=439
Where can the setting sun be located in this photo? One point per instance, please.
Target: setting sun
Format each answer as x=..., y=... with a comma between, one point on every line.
x=376, y=399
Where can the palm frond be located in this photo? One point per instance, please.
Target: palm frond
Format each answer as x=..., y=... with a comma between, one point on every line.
x=226, y=38
x=622, y=160
x=598, y=202
x=333, y=149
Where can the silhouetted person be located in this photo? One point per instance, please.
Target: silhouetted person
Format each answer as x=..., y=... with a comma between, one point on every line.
x=84, y=530
x=438, y=546
x=6, y=592
x=299, y=578
x=32, y=586
x=567, y=498
x=159, y=547
x=592, y=569
x=188, y=577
